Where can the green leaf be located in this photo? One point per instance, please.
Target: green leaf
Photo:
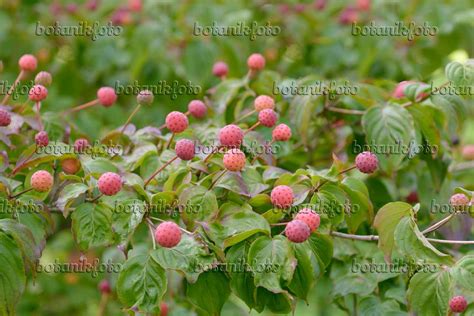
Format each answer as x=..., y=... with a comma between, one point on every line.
x=25, y=241
x=372, y=306
x=142, y=283
x=463, y=272
x=210, y=292
x=68, y=194
x=12, y=275
x=387, y=126
x=429, y=293
x=361, y=208
x=413, y=244
x=322, y=248
x=92, y=225
x=241, y=225
x=202, y=197
x=280, y=303
x=303, y=279
x=188, y=257
x=277, y=255
x=461, y=74
x=241, y=279
x=225, y=92
x=386, y=222
x=127, y=215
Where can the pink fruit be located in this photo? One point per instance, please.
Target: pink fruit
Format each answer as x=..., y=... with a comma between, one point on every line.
x=104, y=287
x=220, y=69
x=282, y=196
x=27, y=62
x=263, y=102
x=71, y=165
x=177, y=122
x=145, y=97
x=185, y=149
x=256, y=62
x=234, y=160
x=41, y=181
x=310, y=217
x=197, y=108
x=231, y=135
x=163, y=309
x=412, y=198
x=281, y=133
x=109, y=183
x=348, y=16
x=297, y=231
x=459, y=201
x=80, y=145
x=135, y=5
x=5, y=118
x=366, y=162
x=42, y=139
x=168, y=234
x=468, y=152
x=43, y=78
x=267, y=117
x=106, y=96
x=38, y=93
x=363, y=5
x=458, y=304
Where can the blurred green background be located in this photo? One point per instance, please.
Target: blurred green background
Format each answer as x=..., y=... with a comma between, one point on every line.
x=157, y=43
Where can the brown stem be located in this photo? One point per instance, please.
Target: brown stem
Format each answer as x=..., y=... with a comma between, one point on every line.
x=217, y=179
x=211, y=154
x=169, y=142
x=103, y=304
x=96, y=198
x=375, y=238
x=130, y=117
x=244, y=117
x=345, y=111
x=82, y=106
x=159, y=170
x=10, y=91
x=252, y=127
x=38, y=115
x=20, y=193
x=437, y=225
x=260, y=155
x=19, y=167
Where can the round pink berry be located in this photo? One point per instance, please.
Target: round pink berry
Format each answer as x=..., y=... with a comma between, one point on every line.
x=220, y=69
x=41, y=181
x=145, y=97
x=5, y=118
x=234, y=160
x=177, y=122
x=109, y=183
x=231, y=135
x=168, y=234
x=80, y=145
x=28, y=62
x=197, y=108
x=366, y=162
x=267, y=117
x=104, y=287
x=459, y=201
x=38, y=93
x=185, y=149
x=310, y=217
x=468, y=152
x=458, y=304
x=42, y=139
x=282, y=196
x=44, y=78
x=256, y=62
x=106, y=96
x=281, y=133
x=297, y=231
x=263, y=102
